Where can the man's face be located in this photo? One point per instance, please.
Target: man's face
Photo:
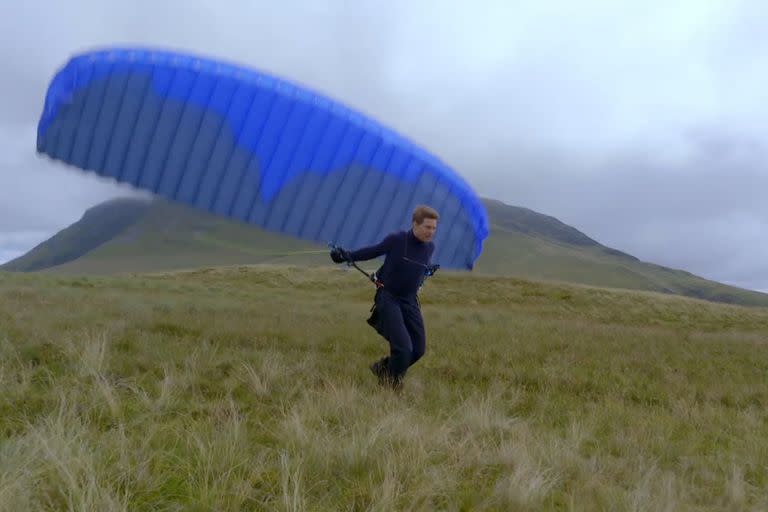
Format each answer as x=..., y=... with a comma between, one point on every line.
x=426, y=230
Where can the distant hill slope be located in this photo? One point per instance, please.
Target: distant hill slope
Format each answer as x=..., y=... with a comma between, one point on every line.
x=99, y=225
x=128, y=235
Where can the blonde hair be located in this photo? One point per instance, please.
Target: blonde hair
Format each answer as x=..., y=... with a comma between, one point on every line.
x=422, y=212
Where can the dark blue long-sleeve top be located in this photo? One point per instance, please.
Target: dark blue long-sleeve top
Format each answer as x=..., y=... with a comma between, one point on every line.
x=406, y=258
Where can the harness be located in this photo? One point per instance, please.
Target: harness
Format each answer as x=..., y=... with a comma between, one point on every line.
x=373, y=319
x=429, y=270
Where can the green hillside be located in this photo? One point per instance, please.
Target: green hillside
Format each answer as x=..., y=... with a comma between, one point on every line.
x=100, y=225
x=158, y=236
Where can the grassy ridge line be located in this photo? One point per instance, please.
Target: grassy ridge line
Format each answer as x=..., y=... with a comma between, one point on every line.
x=529, y=257
x=247, y=388
x=522, y=243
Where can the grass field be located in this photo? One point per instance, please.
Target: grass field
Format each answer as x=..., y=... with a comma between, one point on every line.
x=247, y=388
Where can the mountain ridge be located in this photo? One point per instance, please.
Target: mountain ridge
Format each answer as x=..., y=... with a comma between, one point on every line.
x=140, y=235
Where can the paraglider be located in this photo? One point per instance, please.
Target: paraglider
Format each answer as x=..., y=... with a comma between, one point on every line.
x=252, y=147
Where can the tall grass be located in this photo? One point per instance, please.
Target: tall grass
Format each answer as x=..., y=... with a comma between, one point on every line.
x=247, y=389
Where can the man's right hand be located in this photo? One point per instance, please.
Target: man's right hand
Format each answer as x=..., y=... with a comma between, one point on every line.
x=340, y=255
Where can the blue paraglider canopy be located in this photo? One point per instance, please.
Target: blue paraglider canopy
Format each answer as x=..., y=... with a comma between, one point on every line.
x=249, y=146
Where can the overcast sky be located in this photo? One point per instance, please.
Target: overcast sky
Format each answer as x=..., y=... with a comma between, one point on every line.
x=641, y=124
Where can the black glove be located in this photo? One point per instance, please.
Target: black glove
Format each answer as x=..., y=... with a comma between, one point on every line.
x=339, y=255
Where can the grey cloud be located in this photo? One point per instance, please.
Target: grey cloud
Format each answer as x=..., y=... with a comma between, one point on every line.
x=703, y=210
x=641, y=126
x=16, y=243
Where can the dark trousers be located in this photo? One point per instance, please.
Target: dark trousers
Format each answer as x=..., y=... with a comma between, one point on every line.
x=400, y=322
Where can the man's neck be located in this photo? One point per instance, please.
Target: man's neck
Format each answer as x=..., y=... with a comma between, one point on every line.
x=413, y=236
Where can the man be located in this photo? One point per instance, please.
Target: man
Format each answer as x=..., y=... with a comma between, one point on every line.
x=397, y=312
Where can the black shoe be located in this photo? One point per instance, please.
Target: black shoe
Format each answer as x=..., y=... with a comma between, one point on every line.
x=379, y=369
x=396, y=385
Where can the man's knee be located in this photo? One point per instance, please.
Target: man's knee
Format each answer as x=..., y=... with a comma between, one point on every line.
x=402, y=352
x=400, y=358
x=419, y=341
